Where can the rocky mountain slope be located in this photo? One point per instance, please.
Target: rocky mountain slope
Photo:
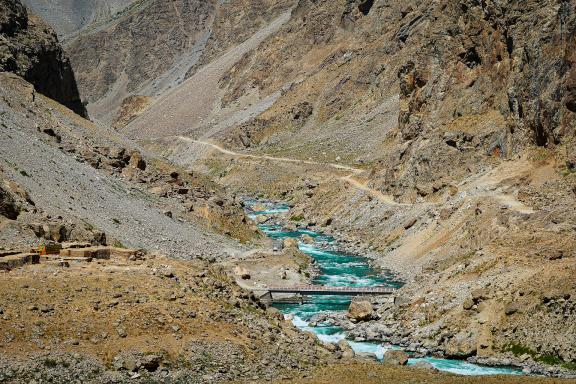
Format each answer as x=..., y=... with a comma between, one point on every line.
x=85, y=181
x=153, y=45
x=87, y=174
x=29, y=48
x=141, y=317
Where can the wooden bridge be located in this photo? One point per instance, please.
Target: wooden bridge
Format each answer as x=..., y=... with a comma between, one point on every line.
x=319, y=290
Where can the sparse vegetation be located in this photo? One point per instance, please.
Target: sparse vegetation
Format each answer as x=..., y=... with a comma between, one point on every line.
x=118, y=244
x=519, y=350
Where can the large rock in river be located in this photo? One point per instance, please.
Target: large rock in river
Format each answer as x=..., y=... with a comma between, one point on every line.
x=290, y=243
x=395, y=357
x=360, y=311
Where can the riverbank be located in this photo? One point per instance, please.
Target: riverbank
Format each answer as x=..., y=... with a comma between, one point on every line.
x=379, y=373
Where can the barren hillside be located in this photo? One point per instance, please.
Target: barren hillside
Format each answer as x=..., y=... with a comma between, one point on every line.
x=68, y=17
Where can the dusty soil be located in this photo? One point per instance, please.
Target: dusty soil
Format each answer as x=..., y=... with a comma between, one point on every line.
x=189, y=315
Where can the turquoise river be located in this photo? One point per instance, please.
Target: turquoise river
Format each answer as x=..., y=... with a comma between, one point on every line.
x=341, y=269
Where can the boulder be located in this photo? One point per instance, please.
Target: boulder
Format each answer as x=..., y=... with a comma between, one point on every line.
x=258, y=207
x=480, y=294
x=395, y=357
x=275, y=313
x=460, y=347
x=290, y=243
x=410, y=223
x=151, y=362
x=367, y=356
x=511, y=308
x=167, y=272
x=307, y=239
x=330, y=347
x=555, y=254
x=468, y=304
x=424, y=365
x=8, y=206
x=277, y=245
x=136, y=161
x=360, y=310
x=242, y=272
x=261, y=219
x=347, y=351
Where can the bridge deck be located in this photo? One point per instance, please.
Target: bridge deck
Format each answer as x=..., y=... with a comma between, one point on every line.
x=323, y=290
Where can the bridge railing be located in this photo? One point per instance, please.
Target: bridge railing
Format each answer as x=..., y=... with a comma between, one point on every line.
x=311, y=289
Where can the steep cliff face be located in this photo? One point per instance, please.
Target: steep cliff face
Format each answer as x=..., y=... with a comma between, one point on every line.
x=509, y=65
x=29, y=48
x=440, y=84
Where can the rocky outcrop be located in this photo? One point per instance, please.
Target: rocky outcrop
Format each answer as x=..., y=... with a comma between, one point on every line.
x=8, y=207
x=29, y=48
x=136, y=48
x=443, y=85
x=79, y=181
x=513, y=58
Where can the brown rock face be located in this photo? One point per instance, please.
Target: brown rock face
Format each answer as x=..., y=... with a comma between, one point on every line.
x=461, y=346
x=494, y=45
x=30, y=49
x=132, y=50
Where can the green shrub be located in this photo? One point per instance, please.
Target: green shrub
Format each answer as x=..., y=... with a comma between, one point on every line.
x=297, y=218
x=519, y=350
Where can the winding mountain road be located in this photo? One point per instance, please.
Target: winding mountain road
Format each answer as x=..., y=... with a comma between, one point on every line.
x=347, y=179
x=506, y=199
x=272, y=158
